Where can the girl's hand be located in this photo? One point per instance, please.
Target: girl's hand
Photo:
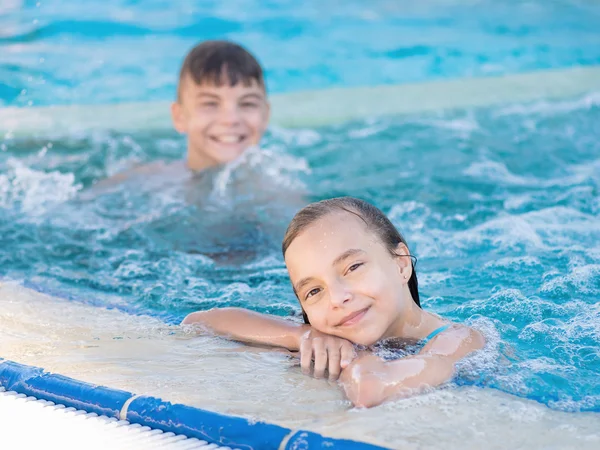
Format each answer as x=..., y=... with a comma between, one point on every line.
x=328, y=352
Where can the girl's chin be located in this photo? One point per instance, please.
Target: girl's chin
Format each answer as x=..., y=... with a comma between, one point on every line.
x=362, y=339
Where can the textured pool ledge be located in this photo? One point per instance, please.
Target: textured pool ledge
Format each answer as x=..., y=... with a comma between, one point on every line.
x=234, y=432
x=316, y=108
x=56, y=426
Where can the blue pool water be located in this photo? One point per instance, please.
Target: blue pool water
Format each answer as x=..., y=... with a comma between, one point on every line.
x=98, y=51
x=501, y=205
x=505, y=223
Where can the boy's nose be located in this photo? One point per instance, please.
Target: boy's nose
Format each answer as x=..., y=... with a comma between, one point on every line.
x=229, y=115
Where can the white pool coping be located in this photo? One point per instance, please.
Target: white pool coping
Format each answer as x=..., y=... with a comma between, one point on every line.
x=26, y=422
x=316, y=108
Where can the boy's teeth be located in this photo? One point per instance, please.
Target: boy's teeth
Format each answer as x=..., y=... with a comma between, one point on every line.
x=229, y=139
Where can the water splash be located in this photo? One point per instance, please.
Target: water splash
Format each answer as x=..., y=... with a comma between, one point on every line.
x=260, y=168
x=34, y=192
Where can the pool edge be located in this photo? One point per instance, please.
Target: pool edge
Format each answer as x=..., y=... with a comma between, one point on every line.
x=220, y=429
x=316, y=108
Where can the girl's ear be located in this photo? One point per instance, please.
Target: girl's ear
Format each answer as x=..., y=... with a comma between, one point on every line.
x=404, y=262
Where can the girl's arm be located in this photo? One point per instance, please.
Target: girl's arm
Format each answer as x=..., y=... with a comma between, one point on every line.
x=369, y=380
x=318, y=352
x=250, y=327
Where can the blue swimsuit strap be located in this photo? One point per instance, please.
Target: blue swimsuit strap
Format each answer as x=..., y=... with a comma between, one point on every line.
x=434, y=333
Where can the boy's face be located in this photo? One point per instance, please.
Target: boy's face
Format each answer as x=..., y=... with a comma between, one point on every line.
x=221, y=121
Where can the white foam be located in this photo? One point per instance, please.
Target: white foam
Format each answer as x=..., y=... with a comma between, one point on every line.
x=495, y=171
x=34, y=191
x=513, y=261
x=462, y=126
x=499, y=173
x=546, y=108
x=543, y=229
x=505, y=231
x=432, y=278
x=580, y=278
x=296, y=137
x=367, y=131
x=261, y=167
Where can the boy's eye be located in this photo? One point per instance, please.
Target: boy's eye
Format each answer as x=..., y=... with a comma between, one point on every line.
x=249, y=105
x=208, y=104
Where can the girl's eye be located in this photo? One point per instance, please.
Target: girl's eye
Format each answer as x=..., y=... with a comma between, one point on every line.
x=249, y=105
x=209, y=104
x=354, y=266
x=312, y=293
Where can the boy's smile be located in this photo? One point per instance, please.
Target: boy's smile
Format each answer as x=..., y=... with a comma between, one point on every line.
x=229, y=138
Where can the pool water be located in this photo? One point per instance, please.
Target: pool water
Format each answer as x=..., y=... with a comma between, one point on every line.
x=64, y=52
x=500, y=205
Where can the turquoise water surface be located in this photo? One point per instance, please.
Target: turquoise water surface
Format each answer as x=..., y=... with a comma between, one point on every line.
x=501, y=205
x=505, y=223
x=98, y=51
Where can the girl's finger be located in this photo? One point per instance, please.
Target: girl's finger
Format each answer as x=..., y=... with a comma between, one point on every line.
x=334, y=362
x=306, y=352
x=320, y=354
x=348, y=354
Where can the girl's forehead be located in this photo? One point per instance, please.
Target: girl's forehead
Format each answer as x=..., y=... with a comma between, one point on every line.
x=330, y=233
x=336, y=225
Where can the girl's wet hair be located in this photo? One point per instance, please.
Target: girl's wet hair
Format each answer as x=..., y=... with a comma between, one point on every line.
x=375, y=220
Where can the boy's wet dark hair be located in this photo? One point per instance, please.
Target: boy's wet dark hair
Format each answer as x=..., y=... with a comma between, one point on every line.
x=220, y=63
x=373, y=217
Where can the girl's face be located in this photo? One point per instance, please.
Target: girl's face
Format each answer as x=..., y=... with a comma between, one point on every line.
x=347, y=281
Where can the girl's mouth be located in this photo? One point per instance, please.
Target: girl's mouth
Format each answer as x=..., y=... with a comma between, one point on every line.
x=353, y=318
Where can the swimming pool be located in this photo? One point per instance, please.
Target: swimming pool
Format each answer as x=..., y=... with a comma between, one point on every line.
x=60, y=52
x=500, y=204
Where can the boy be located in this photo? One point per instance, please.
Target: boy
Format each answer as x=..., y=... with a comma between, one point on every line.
x=239, y=212
x=221, y=106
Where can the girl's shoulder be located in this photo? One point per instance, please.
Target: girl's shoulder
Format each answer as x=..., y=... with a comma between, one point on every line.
x=449, y=339
x=453, y=339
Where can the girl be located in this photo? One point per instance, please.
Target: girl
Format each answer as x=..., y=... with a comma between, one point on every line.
x=353, y=275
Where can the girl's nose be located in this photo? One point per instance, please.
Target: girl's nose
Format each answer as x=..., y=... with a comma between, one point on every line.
x=339, y=294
